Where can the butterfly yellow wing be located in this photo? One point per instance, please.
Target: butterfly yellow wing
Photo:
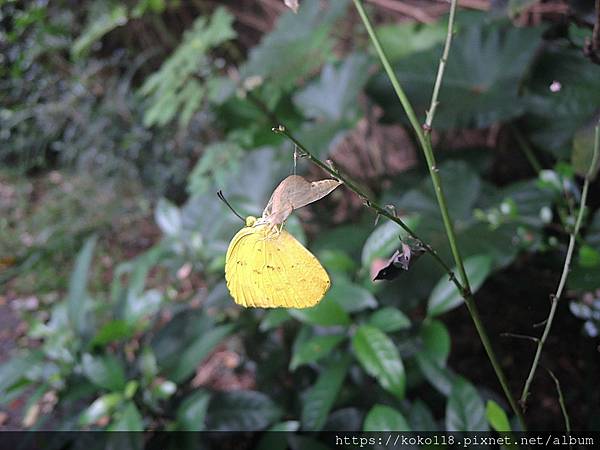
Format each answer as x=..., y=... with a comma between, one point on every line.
x=267, y=268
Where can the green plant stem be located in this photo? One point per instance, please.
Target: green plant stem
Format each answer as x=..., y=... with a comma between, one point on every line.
x=561, y=402
x=368, y=202
x=565, y=272
x=424, y=139
x=441, y=69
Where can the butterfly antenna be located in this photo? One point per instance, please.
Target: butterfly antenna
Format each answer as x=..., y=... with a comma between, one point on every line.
x=224, y=200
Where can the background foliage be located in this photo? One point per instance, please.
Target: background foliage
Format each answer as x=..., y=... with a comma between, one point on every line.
x=121, y=119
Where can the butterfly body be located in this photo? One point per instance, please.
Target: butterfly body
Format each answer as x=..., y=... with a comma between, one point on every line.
x=266, y=267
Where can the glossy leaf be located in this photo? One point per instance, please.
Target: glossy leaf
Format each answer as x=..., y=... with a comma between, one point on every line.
x=421, y=418
x=385, y=418
x=389, y=319
x=104, y=371
x=379, y=357
x=314, y=349
x=385, y=239
x=405, y=38
x=465, y=410
x=298, y=44
x=496, y=417
x=436, y=341
x=129, y=419
x=445, y=296
x=77, y=297
x=481, y=82
x=326, y=313
x=351, y=297
x=319, y=399
x=241, y=411
x=191, y=413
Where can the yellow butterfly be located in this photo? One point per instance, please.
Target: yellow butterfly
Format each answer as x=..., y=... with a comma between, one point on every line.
x=265, y=266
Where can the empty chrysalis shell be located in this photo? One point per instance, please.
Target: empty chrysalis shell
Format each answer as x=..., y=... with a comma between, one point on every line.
x=292, y=193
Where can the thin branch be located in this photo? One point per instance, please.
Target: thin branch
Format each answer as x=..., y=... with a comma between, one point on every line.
x=561, y=401
x=566, y=267
x=520, y=336
x=381, y=211
x=425, y=142
x=441, y=69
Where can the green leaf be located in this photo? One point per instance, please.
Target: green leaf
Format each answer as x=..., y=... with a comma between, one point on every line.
x=379, y=357
x=77, y=296
x=100, y=407
x=113, y=331
x=334, y=95
x=445, y=296
x=191, y=413
x=403, y=39
x=436, y=341
x=351, y=297
x=496, y=417
x=319, y=399
x=192, y=356
x=385, y=239
x=175, y=89
x=588, y=257
x=326, y=313
x=465, y=410
x=442, y=378
x=241, y=411
x=296, y=47
x=276, y=437
x=385, y=418
x=314, y=349
x=16, y=368
x=104, y=371
x=421, y=418
x=219, y=162
x=481, y=82
x=389, y=319
x=273, y=318
x=554, y=117
x=129, y=420
x=99, y=24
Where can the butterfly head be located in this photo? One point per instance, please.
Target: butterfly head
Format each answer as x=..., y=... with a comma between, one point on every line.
x=250, y=221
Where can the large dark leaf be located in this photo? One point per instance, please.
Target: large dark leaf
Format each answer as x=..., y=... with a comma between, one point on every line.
x=481, y=83
x=314, y=349
x=445, y=296
x=77, y=297
x=192, y=411
x=326, y=313
x=297, y=46
x=199, y=349
x=553, y=115
x=465, y=410
x=319, y=399
x=241, y=411
x=332, y=101
x=385, y=418
x=334, y=95
x=104, y=371
x=379, y=357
